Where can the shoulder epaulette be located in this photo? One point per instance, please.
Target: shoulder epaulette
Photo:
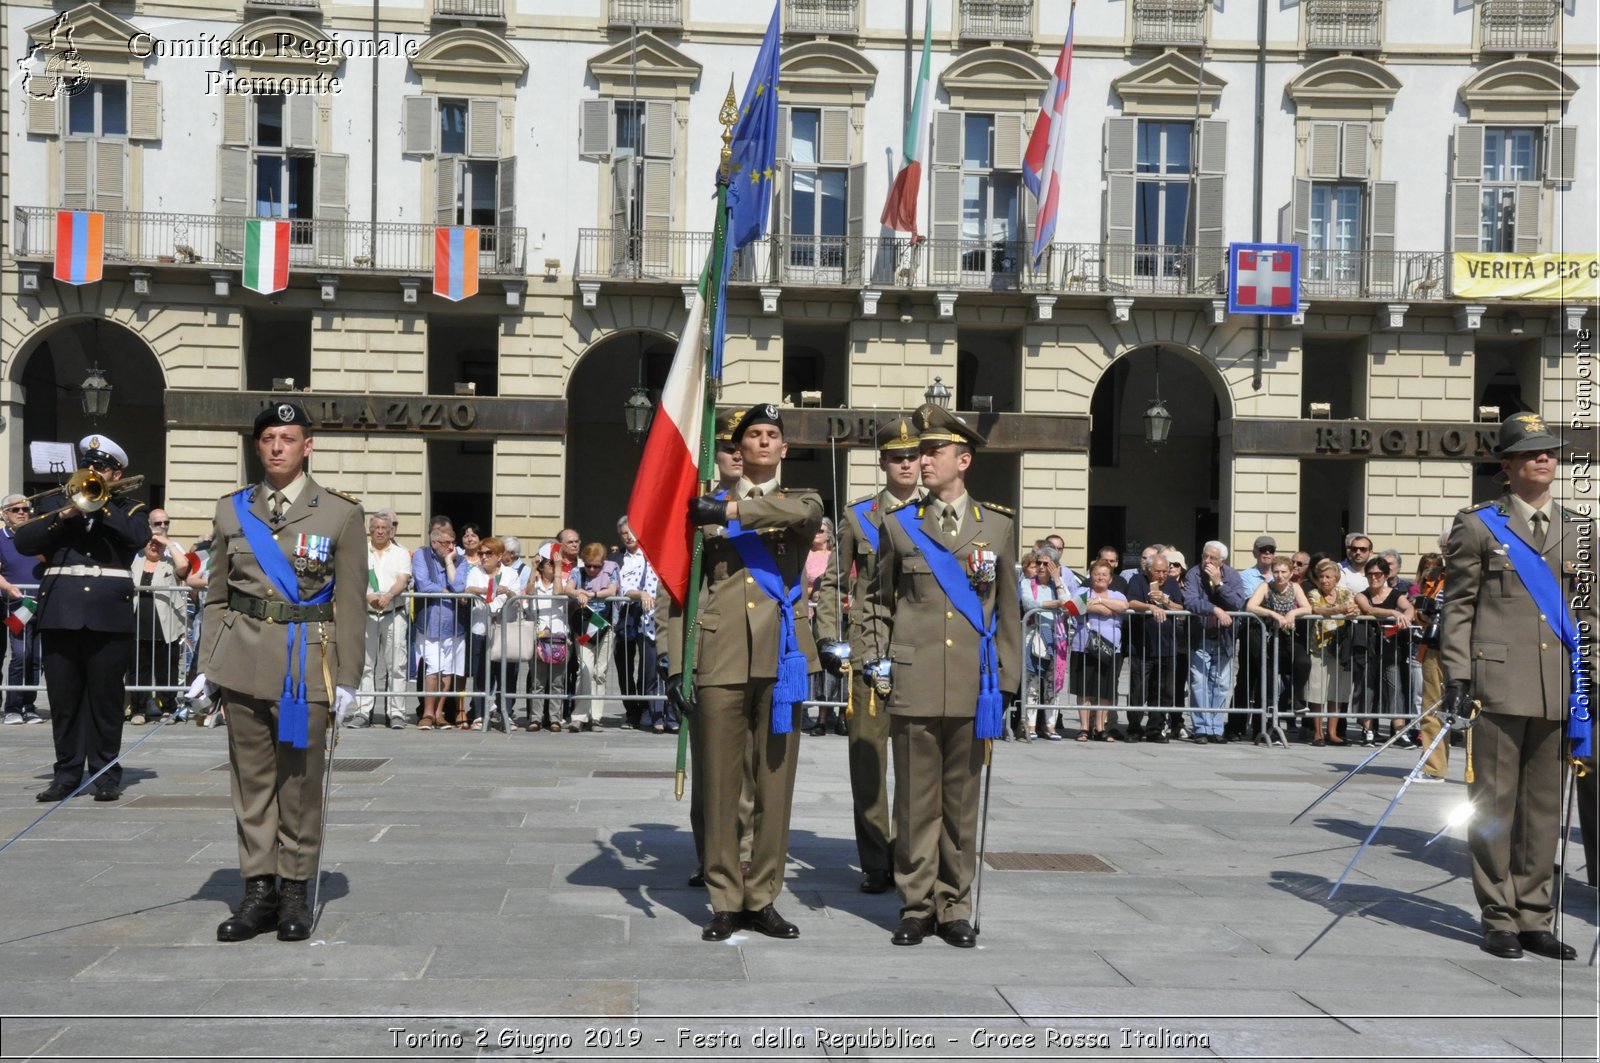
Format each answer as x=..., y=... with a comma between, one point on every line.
x=903, y=505
x=1007, y=510
x=340, y=494
x=863, y=498
x=236, y=490
x=1480, y=505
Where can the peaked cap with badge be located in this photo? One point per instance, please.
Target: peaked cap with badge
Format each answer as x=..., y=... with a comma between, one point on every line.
x=727, y=422
x=935, y=424
x=1524, y=432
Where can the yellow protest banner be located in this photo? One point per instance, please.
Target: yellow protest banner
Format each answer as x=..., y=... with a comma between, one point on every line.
x=1511, y=276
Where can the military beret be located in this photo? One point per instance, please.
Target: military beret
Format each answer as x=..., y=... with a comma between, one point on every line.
x=282, y=414
x=761, y=413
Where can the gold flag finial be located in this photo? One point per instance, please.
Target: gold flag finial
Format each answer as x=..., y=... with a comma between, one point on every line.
x=728, y=116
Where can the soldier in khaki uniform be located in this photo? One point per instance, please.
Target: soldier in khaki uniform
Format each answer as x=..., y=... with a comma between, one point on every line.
x=277, y=754
x=748, y=675
x=947, y=683
x=859, y=532
x=1500, y=651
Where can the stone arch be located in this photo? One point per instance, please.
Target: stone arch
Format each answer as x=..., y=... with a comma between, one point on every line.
x=1344, y=83
x=828, y=66
x=995, y=78
x=469, y=50
x=1519, y=89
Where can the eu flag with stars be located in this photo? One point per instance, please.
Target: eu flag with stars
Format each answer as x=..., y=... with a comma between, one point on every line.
x=755, y=146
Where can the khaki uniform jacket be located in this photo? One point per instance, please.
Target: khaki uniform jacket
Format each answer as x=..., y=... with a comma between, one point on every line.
x=1491, y=633
x=739, y=632
x=909, y=618
x=246, y=655
x=852, y=548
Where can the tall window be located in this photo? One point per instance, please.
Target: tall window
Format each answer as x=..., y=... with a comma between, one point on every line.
x=1165, y=205
x=1335, y=232
x=980, y=218
x=1510, y=156
x=816, y=194
x=990, y=205
x=98, y=110
x=1161, y=211
x=269, y=167
x=284, y=179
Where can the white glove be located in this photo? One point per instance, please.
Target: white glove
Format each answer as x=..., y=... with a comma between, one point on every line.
x=343, y=699
x=201, y=687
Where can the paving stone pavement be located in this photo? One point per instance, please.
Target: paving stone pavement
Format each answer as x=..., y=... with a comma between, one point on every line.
x=498, y=896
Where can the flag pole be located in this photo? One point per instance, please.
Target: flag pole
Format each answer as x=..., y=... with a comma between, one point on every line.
x=728, y=116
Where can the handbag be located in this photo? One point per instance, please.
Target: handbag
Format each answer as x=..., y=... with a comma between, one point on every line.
x=552, y=649
x=1101, y=649
x=512, y=640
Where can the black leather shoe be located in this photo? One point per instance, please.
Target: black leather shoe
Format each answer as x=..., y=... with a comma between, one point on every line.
x=959, y=933
x=107, y=793
x=1218, y=740
x=876, y=882
x=698, y=879
x=1502, y=943
x=767, y=921
x=294, y=912
x=911, y=931
x=53, y=793
x=1544, y=943
x=257, y=912
x=1156, y=736
x=720, y=928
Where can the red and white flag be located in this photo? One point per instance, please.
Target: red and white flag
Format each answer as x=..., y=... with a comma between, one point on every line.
x=669, y=472
x=1041, y=165
x=900, y=212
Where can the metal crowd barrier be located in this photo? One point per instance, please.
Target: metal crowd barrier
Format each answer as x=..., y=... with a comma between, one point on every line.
x=1362, y=671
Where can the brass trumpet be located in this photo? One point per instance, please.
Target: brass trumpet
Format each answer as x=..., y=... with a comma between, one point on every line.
x=88, y=492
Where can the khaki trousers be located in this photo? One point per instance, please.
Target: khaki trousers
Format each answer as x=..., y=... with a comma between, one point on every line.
x=277, y=789
x=1518, y=765
x=731, y=720
x=1432, y=690
x=869, y=781
x=697, y=798
x=938, y=767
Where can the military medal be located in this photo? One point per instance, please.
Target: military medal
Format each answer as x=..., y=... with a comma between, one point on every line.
x=982, y=566
x=311, y=553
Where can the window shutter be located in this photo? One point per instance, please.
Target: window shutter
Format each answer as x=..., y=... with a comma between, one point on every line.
x=446, y=177
x=835, y=132
x=1380, y=228
x=1466, y=215
x=855, y=224
x=75, y=173
x=782, y=154
x=483, y=128
x=233, y=200
x=622, y=190
x=1468, y=161
x=301, y=114
x=144, y=110
x=1008, y=141
x=333, y=207
x=1322, y=151
x=1561, y=153
x=594, y=128
x=1121, y=197
x=1121, y=141
x=505, y=203
x=1300, y=214
x=110, y=175
x=947, y=138
x=1357, y=150
x=944, y=223
x=1528, y=217
x=1210, y=224
x=658, y=119
x=658, y=213
x=420, y=125
x=235, y=119
x=44, y=116
x=1030, y=225
x=1213, y=145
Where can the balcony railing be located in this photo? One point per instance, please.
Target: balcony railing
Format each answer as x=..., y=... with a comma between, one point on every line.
x=1343, y=25
x=1519, y=25
x=834, y=17
x=978, y=265
x=997, y=20
x=471, y=10
x=217, y=242
x=300, y=6
x=1164, y=22
x=657, y=13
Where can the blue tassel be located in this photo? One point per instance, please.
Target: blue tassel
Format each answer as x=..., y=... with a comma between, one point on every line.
x=991, y=715
x=294, y=721
x=792, y=685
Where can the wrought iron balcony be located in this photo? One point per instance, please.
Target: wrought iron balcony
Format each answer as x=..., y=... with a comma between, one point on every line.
x=470, y=10
x=997, y=20
x=1169, y=22
x=660, y=14
x=297, y=6
x=1409, y=275
x=213, y=241
x=1519, y=25
x=1343, y=25
x=833, y=17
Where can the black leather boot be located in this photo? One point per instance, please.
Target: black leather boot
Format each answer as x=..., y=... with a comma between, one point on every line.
x=257, y=912
x=294, y=919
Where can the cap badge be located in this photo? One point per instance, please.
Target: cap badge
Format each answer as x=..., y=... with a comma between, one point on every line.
x=1531, y=421
x=285, y=413
x=94, y=442
x=769, y=410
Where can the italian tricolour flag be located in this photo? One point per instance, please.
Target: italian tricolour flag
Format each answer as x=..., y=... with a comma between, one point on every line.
x=900, y=212
x=658, y=509
x=266, y=255
x=21, y=612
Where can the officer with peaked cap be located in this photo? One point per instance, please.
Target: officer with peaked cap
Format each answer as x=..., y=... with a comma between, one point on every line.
x=86, y=620
x=1513, y=649
x=860, y=529
x=943, y=631
x=283, y=644
x=751, y=670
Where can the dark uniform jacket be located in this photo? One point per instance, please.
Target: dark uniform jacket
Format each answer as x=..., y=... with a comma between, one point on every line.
x=109, y=539
x=852, y=549
x=739, y=634
x=246, y=654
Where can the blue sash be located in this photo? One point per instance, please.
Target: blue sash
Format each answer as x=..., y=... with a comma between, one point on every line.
x=792, y=684
x=952, y=578
x=869, y=531
x=294, y=711
x=1545, y=590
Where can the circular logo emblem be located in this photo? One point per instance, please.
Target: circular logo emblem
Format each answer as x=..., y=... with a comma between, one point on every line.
x=770, y=410
x=286, y=413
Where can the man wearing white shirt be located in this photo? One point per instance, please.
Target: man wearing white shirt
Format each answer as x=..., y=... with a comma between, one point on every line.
x=1357, y=549
x=384, y=668
x=636, y=650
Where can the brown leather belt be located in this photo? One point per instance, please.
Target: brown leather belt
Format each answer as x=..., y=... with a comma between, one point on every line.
x=274, y=611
